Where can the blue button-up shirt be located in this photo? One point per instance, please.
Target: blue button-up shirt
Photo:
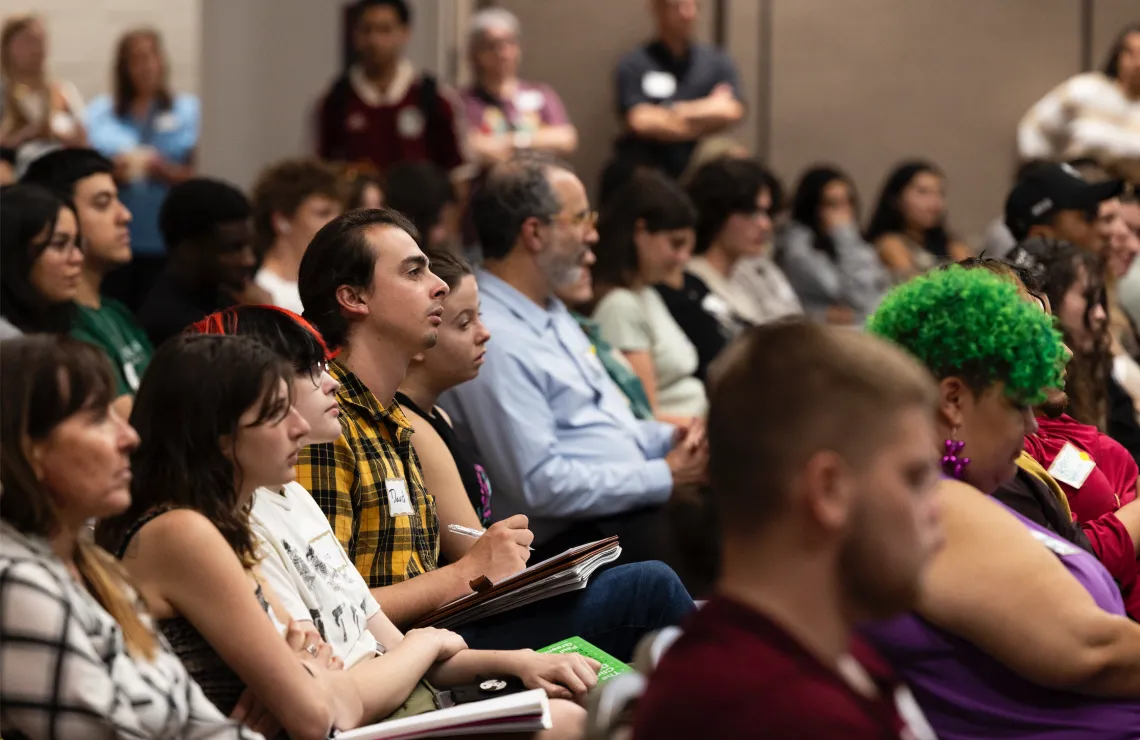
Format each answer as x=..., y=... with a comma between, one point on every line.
x=173, y=133
x=554, y=432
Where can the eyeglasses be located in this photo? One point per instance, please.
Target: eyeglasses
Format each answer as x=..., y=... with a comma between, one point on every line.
x=316, y=372
x=589, y=219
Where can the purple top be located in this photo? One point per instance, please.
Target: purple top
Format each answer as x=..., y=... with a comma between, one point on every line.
x=532, y=107
x=966, y=694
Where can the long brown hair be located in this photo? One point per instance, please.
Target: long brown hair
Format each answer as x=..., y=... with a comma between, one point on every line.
x=14, y=118
x=187, y=409
x=124, y=88
x=44, y=380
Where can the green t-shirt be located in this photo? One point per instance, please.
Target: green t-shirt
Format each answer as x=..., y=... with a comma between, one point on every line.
x=114, y=330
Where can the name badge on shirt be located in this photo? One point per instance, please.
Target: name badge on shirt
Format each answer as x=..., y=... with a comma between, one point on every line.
x=328, y=551
x=399, y=503
x=165, y=122
x=131, y=375
x=529, y=100
x=1071, y=466
x=410, y=123
x=659, y=85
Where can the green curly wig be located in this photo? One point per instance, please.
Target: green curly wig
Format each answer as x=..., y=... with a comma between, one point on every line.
x=974, y=325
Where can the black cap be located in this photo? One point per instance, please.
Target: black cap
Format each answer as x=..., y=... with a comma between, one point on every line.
x=1049, y=188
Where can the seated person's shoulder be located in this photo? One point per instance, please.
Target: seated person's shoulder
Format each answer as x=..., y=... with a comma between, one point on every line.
x=175, y=531
x=750, y=688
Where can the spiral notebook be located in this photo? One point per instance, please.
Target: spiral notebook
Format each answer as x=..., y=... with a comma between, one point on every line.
x=528, y=711
x=611, y=666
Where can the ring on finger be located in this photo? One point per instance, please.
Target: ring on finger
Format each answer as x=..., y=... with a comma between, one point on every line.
x=311, y=650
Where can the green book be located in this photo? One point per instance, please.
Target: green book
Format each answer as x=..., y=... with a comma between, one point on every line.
x=611, y=666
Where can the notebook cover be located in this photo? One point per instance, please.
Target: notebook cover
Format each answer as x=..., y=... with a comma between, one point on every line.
x=611, y=666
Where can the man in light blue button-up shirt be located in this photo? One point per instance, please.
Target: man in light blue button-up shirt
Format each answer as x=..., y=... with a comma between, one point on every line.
x=555, y=433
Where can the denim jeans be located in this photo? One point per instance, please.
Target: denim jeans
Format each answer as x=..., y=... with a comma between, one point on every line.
x=618, y=607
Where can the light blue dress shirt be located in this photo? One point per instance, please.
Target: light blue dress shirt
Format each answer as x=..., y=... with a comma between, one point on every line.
x=174, y=133
x=554, y=432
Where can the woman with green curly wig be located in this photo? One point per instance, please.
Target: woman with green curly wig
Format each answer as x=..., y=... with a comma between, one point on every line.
x=1018, y=633
x=996, y=355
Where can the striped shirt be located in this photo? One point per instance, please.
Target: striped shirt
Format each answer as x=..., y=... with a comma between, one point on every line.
x=363, y=482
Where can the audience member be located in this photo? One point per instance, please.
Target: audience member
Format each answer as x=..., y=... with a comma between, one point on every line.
x=821, y=530
x=1069, y=278
x=506, y=114
x=312, y=577
x=292, y=200
x=732, y=283
x=151, y=134
x=84, y=176
x=205, y=224
x=710, y=150
x=837, y=276
x=1093, y=114
x=551, y=427
x=37, y=113
x=674, y=91
x=186, y=540
x=645, y=236
x=368, y=289
x=382, y=111
x=998, y=241
x=1093, y=499
x=908, y=226
x=365, y=189
x=1064, y=670
x=41, y=261
x=1054, y=201
x=77, y=656
x=423, y=192
x=1129, y=285
x=450, y=467
x=578, y=296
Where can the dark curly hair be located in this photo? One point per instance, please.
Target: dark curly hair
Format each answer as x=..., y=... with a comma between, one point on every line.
x=1056, y=265
x=974, y=325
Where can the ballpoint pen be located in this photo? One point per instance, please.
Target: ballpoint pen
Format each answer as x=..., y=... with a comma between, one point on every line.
x=469, y=532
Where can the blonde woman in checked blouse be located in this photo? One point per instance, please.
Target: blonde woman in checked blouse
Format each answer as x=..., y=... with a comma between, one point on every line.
x=77, y=658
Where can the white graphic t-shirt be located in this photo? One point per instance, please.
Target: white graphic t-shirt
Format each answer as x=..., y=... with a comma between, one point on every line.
x=307, y=568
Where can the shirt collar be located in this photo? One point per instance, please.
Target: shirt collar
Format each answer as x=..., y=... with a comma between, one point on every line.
x=353, y=392
x=373, y=95
x=537, y=318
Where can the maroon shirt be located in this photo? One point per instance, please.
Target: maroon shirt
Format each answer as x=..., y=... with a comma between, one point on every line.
x=735, y=673
x=390, y=127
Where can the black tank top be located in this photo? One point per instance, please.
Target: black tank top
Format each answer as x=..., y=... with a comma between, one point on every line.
x=219, y=683
x=471, y=472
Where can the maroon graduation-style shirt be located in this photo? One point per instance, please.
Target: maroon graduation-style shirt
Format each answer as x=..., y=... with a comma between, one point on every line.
x=734, y=673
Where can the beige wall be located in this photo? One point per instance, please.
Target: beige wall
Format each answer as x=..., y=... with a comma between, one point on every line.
x=862, y=83
x=82, y=35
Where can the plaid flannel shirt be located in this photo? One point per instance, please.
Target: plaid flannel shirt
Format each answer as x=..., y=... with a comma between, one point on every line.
x=347, y=479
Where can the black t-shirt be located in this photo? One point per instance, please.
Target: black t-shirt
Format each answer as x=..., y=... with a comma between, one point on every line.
x=651, y=74
x=171, y=306
x=702, y=328
x=471, y=471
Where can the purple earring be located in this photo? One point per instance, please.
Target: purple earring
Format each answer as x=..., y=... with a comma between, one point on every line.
x=954, y=466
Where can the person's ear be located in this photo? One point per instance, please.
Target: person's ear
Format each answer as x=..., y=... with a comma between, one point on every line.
x=954, y=399
x=281, y=224
x=530, y=234
x=352, y=301
x=36, y=454
x=827, y=490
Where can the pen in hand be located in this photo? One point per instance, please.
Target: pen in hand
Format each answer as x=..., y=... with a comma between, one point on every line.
x=469, y=532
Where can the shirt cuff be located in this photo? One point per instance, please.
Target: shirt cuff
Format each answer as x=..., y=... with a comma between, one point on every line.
x=659, y=481
x=658, y=437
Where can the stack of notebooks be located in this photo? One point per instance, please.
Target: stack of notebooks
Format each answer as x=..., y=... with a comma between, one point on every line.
x=561, y=574
x=525, y=712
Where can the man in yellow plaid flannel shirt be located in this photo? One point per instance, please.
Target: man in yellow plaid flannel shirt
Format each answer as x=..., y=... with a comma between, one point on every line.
x=368, y=289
